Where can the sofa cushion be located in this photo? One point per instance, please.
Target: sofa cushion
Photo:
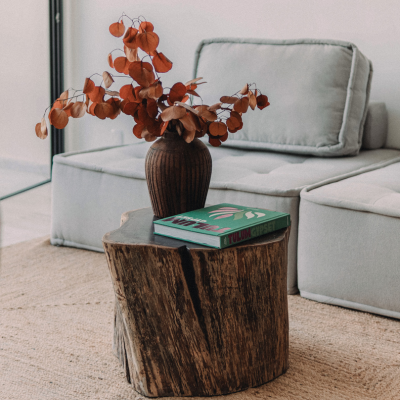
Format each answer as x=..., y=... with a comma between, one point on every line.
x=348, y=251
x=376, y=191
x=318, y=90
x=91, y=189
x=376, y=126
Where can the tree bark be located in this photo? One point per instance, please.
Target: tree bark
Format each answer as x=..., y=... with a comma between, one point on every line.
x=195, y=321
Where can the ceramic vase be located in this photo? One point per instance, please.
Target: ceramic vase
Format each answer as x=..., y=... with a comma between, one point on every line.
x=178, y=174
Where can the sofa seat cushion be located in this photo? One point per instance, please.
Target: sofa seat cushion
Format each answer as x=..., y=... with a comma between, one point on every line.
x=348, y=252
x=318, y=90
x=262, y=172
x=279, y=174
x=376, y=191
x=91, y=189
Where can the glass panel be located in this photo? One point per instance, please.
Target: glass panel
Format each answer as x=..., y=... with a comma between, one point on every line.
x=25, y=83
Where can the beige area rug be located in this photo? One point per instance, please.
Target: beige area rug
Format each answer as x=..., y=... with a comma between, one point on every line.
x=56, y=331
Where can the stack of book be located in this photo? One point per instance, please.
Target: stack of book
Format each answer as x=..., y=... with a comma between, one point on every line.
x=222, y=225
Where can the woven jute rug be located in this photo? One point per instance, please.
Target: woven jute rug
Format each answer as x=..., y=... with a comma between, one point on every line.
x=56, y=331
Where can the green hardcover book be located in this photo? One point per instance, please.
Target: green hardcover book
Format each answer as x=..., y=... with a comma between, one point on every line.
x=221, y=225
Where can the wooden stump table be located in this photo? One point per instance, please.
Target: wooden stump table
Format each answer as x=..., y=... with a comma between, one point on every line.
x=191, y=320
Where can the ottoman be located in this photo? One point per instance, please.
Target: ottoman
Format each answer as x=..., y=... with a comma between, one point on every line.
x=348, y=241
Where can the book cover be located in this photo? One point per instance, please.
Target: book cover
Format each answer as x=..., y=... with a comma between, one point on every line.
x=221, y=225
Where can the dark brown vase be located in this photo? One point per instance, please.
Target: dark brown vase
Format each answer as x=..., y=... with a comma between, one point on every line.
x=178, y=175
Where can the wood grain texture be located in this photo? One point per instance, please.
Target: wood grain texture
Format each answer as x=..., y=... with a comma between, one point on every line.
x=178, y=175
x=196, y=321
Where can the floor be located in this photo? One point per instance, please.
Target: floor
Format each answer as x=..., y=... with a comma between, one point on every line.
x=13, y=180
x=25, y=216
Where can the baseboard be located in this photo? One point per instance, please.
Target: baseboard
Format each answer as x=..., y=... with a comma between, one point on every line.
x=66, y=243
x=293, y=290
x=349, y=304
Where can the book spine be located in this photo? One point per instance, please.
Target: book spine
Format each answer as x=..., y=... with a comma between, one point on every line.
x=252, y=232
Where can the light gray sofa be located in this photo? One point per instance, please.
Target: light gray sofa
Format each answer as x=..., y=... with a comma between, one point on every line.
x=321, y=128
x=348, y=246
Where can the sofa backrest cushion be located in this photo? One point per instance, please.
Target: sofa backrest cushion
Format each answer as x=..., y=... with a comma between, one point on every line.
x=318, y=90
x=375, y=127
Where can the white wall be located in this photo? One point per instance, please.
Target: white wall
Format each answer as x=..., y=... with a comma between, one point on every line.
x=24, y=79
x=371, y=24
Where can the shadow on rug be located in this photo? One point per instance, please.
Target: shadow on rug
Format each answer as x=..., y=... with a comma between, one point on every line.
x=56, y=333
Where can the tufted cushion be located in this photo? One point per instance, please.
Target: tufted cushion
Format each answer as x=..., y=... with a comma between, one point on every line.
x=243, y=170
x=318, y=90
x=376, y=191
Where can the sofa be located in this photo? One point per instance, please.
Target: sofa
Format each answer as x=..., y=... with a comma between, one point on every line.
x=317, y=153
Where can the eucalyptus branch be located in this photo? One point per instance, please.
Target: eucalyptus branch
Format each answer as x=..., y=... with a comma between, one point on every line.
x=149, y=89
x=95, y=74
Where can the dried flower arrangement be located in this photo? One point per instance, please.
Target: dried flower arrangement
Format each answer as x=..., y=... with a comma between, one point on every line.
x=153, y=107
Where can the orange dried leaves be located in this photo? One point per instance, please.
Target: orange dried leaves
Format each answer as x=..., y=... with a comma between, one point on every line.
x=107, y=79
x=131, y=54
x=152, y=110
x=121, y=65
x=204, y=112
x=115, y=103
x=88, y=86
x=193, y=93
x=177, y=92
x=188, y=136
x=146, y=26
x=241, y=105
x=192, y=82
x=234, y=122
x=130, y=38
x=117, y=29
x=129, y=108
x=103, y=110
x=161, y=63
x=137, y=130
x=58, y=118
x=112, y=92
x=214, y=142
x=252, y=100
x=245, y=89
x=215, y=107
x=155, y=91
x=127, y=92
x=188, y=122
x=164, y=126
x=228, y=99
x=63, y=98
x=142, y=73
x=217, y=129
x=97, y=94
x=41, y=129
x=78, y=110
x=110, y=60
x=173, y=112
x=147, y=41
x=68, y=107
x=262, y=101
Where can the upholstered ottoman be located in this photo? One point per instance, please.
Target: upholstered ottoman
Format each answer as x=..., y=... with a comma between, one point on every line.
x=348, y=243
x=92, y=189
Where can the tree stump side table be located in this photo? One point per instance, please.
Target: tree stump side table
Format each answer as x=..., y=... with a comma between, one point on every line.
x=191, y=320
